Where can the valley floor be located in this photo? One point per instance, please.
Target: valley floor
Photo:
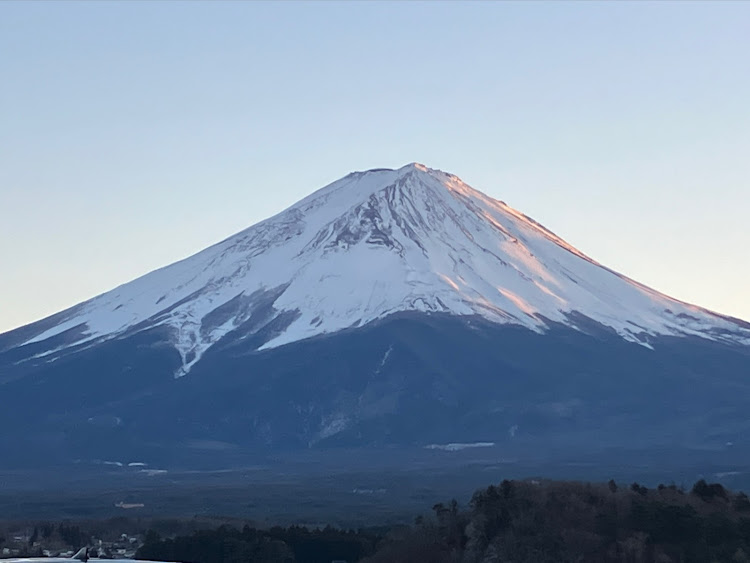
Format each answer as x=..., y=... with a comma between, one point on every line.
x=348, y=488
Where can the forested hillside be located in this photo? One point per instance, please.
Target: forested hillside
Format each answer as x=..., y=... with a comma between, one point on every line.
x=519, y=521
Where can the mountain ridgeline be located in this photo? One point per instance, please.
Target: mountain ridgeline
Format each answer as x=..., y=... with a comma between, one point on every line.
x=391, y=308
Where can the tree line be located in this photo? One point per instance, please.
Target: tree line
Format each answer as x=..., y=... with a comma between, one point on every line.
x=527, y=521
x=295, y=544
x=518, y=521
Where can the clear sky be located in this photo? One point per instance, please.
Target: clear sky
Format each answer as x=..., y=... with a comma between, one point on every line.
x=134, y=134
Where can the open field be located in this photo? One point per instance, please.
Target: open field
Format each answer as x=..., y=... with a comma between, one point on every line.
x=341, y=487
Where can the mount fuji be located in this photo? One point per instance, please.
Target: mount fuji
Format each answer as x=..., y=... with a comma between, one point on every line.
x=391, y=307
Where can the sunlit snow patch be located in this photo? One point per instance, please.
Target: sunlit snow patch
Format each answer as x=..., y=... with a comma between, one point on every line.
x=454, y=447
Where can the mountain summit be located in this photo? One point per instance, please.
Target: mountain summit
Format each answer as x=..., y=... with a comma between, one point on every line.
x=391, y=308
x=370, y=245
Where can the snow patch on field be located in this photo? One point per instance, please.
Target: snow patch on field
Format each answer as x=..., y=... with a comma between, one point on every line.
x=455, y=447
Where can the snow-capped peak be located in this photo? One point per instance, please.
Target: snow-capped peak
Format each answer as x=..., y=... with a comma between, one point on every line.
x=376, y=243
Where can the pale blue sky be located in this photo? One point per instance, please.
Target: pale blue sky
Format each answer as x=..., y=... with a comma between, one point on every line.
x=135, y=134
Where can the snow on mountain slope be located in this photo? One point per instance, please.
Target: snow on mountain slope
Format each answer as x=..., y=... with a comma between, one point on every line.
x=379, y=242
